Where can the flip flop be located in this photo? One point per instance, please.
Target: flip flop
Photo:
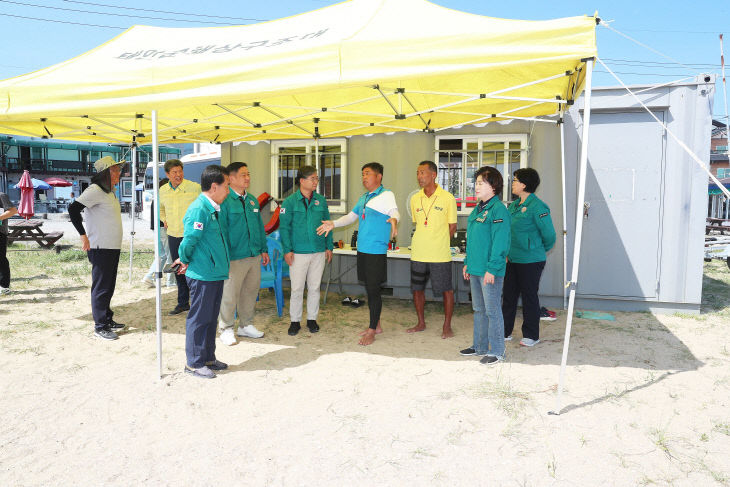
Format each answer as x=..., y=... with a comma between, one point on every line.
x=357, y=302
x=347, y=301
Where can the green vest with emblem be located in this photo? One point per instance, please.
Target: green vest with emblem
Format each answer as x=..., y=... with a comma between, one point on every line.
x=204, y=247
x=299, y=222
x=533, y=233
x=246, y=234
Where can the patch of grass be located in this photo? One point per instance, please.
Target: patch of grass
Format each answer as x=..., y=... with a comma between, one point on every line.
x=6, y=333
x=552, y=467
x=505, y=396
x=690, y=316
x=32, y=350
x=421, y=453
x=723, y=428
x=659, y=438
x=716, y=288
x=71, y=256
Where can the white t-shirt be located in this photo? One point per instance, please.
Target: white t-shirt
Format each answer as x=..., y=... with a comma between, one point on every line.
x=102, y=218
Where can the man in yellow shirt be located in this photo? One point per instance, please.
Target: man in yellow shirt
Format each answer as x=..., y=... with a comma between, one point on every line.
x=175, y=197
x=434, y=214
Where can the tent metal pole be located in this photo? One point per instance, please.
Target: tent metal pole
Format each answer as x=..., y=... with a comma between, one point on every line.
x=133, y=155
x=158, y=274
x=578, y=230
x=565, y=220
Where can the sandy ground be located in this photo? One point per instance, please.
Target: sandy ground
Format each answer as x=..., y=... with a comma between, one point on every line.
x=646, y=399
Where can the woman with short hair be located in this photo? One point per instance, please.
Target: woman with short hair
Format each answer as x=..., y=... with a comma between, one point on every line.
x=487, y=243
x=533, y=234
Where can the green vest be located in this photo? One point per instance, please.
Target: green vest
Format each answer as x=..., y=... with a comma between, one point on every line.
x=204, y=247
x=533, y=233
x=246, y=233
x=299, y=220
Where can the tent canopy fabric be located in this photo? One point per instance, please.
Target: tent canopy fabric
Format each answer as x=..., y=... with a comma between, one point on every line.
x=357, y=67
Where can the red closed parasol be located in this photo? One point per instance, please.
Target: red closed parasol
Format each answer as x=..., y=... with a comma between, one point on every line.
x=25, y=208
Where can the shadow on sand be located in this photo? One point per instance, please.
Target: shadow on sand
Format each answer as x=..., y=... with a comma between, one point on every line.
x=55, y=295
x=639, y=340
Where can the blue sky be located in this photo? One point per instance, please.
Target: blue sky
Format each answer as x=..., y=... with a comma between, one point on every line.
x=685, y=31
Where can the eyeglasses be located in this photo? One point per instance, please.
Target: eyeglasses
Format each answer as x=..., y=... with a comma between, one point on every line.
x=314, y=179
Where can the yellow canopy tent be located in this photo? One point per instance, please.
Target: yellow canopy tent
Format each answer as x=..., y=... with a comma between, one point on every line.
x=361, y=66
x=358, y=67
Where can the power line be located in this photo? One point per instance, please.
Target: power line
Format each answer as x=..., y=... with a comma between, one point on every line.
x=650, y=66
x=115, y=14
x=714, y=32
x=66, y=22
x=645, y=74
x=659, y=63
x=164, y=11
x=608, y=26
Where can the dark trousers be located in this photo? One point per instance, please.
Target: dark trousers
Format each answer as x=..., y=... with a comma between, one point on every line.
x=4, y=264
x=200, y=326
x=104, y=263
x=372, y=270
x=183, y=292
x=375, y=301
x=522, y=280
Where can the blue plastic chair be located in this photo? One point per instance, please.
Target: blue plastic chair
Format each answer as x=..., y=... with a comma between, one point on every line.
x=284, y=266
x=271, y=274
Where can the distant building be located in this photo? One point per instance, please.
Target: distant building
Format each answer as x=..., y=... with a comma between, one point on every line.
x=68, y=160
x=719, y=150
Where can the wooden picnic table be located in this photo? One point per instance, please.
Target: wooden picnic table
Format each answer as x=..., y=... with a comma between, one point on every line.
x=717, y=224
x=30, y=231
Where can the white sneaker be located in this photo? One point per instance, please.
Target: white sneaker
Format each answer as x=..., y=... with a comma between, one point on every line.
x=227, y=337
x=6, y=290
x=508, y=339
x=148, y=281
x=249, y=331
x=529, y=342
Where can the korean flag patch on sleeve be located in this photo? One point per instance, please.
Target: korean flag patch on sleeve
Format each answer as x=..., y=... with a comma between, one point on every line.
x=197, y=226
x=282, y=211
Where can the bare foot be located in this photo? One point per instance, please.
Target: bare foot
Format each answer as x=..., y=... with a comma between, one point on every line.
x=447, y=332
x=418, y=327
x=378, y=331
x=368, y=337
